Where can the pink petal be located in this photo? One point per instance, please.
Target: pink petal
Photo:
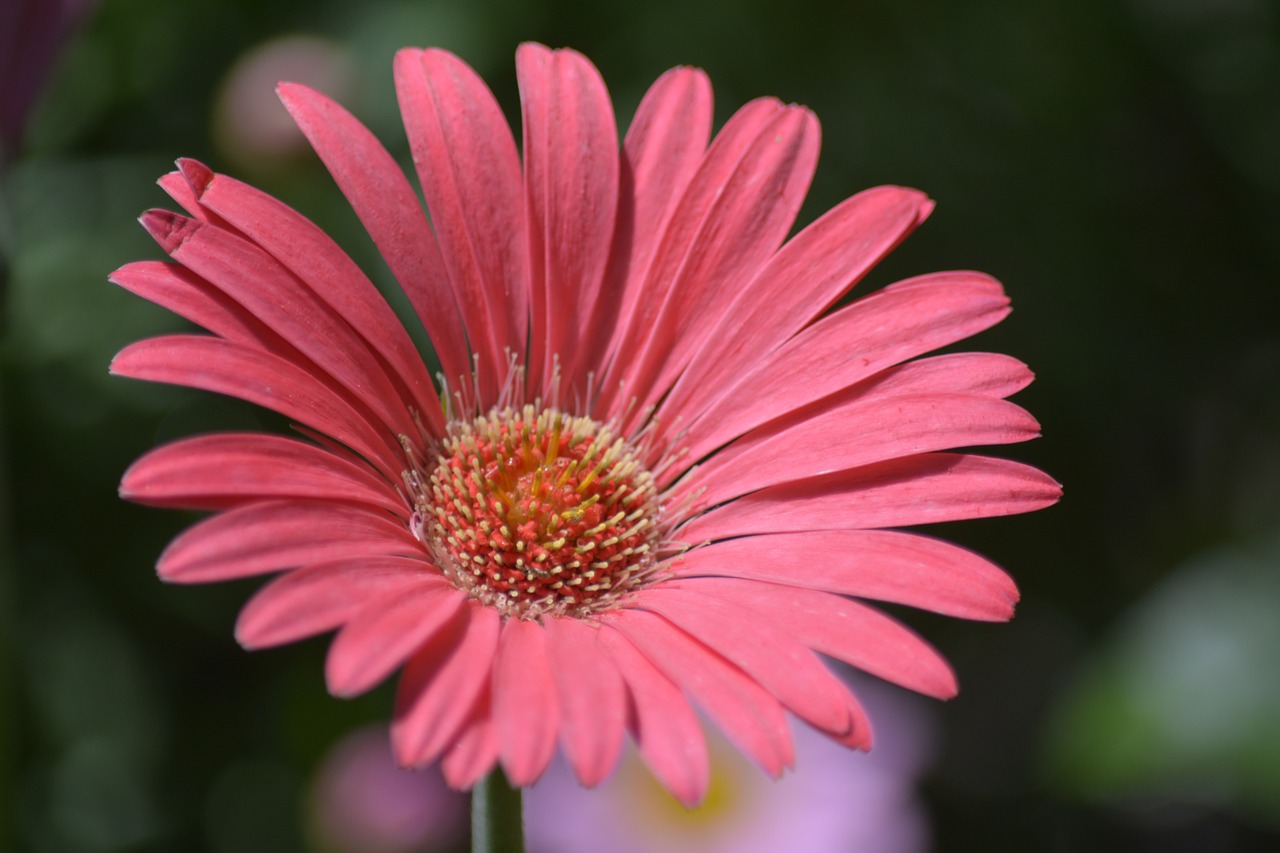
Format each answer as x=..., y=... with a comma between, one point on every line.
x=894, y=324
x=801, y=281
x=861, y=733
x=176, y=185
x=268, y=291
x=740, y=222
x=679, y=227
x=393, y=216
x=475, y=750
x=321, y=597
x=441, y=687
x=592, y=698
x=177, y=289
x=571, y=201
x=663, y=148
x=982, y=373
x=836, y=626
x=800, y=445
x=470, y=174
x=217, y=471
x=881, y=564
x=386, y=633
x=925, y=489
x=326, y=270
x=274, y=535
x=261, y=378
x=773, y=658
x=526, y=714
x=749, y=715
x=665, y=727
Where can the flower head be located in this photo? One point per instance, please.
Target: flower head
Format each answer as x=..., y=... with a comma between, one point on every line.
x=654, y=471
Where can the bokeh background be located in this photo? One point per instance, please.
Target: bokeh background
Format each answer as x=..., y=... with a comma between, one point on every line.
x=1114, y=163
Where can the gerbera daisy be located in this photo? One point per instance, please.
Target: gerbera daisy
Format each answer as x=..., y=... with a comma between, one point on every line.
x=654, y=470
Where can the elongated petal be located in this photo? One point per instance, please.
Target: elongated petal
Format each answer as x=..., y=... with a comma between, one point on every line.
x=662, y=150
x=470, y=174
x=177, y=289
x=773, y=658
x=324, y=596
x=592, y=698
x=742, y=218
x=441, y=687
x=254, y=279
x=894, y=324
x=800, y=445
x=526, y=714
x=274, y=535
x=748, y=714
x=386, y=633
x=801, y=281
x=664, y=725
x=474, y=752
x=861, y=734
x=979, y=373
x=216, y=471
x=327, y=271
x=881, y=564
x=925, y=489
x=391, y=213
x=836, y=626
x=571, y=200
x=673, y=242
x=261, y=378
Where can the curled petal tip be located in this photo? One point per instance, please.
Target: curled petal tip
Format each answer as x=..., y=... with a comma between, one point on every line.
x=169, y=229
x=197, y=175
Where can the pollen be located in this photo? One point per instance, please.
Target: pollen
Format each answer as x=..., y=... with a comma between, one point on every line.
x=536, y=512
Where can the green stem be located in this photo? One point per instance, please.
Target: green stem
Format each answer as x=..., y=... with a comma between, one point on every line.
x=497, y=822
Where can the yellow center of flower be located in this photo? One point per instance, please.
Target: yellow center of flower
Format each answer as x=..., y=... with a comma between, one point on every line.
x=537, y=512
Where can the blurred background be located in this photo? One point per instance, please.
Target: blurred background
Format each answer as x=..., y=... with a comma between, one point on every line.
x=1113, y=163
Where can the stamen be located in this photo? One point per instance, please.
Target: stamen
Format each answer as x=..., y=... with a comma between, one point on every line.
x=519, y=498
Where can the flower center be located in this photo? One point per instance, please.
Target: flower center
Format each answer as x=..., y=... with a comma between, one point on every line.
x=539, y=512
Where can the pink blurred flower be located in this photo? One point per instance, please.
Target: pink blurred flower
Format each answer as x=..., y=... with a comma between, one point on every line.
x=363, y=803
x=655, y=466
x=828, y=804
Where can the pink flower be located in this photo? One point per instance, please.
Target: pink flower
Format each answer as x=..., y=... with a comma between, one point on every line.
x=656, y=466
x=362, y=803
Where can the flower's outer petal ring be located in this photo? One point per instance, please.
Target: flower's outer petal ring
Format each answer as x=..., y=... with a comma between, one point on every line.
x=258, y=377
x=469, y=171
x=324, y=596
x=662, y=150
x=225, y=469
x=787, y=669
x=316, y=260
x=526, y=713
x=274, y=535
x=571, y=203
x=388, y=207
x=442, y=688
x=744, y=710
x=885, y=565
x=592, y=698
x=925, y=489
x=385, y=633
x=247, y=274
x=799, y=446
x=665, y=727
x=836, y=626
x=805, y=277
x=901, y=321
